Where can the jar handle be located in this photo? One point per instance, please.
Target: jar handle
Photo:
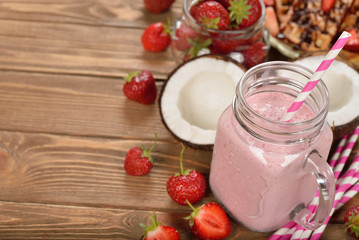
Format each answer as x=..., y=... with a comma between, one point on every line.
x=313, y=217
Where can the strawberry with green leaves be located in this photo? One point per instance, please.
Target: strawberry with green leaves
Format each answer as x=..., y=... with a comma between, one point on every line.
x=209, y=222
x=184, y=35
x=187, y=186
x=245, y=13
x=139, y=161
x=351, y=221
x=211, y=14
x=140, y=86
x=159, y=231
x=156, y=37
x=198, y=45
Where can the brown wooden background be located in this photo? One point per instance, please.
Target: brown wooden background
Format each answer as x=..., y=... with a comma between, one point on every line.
x=65, y=125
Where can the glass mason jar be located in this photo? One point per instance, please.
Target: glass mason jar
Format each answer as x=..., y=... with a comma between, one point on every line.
x=265, y=172
x=190, y=38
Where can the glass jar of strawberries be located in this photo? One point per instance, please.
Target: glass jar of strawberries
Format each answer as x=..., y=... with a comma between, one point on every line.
x=225, y=27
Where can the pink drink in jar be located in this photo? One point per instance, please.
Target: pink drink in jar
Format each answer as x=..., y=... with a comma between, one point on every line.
x=265, y=172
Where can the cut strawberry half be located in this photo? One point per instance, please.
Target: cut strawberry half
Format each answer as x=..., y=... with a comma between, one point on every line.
x=327, y=5
x=353, y=43
x=209, y=222
x=271, y=21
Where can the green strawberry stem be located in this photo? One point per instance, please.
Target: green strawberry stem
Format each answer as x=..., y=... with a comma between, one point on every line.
x=197, y=44
x=166, y=27
x=131, y=75
x=193, y=214
x=183, y=172
x=181, y=156
x=152, y=227
x=353, y=224
x=147, y=153
x=211, y=23
x=239, y=10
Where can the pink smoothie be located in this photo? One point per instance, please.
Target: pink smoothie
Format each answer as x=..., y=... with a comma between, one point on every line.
x=260, y=183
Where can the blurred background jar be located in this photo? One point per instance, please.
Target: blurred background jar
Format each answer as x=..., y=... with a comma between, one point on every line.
x=246, y=44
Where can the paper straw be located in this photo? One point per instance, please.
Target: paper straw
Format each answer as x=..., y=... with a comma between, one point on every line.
x=289, y=231
x=324, y=65
x=347, y=183
x=338, y=151
x=345, y=154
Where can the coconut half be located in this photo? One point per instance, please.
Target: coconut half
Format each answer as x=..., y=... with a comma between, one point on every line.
x=342, y=81
x=194, y=96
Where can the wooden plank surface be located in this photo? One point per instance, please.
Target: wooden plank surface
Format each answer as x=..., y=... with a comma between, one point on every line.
x=65, y=125
x=75, y=105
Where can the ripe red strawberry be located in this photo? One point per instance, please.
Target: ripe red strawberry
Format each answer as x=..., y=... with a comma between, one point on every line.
x=269, y=2
x=327, y=5
x=353, y=43
x=226, y=44
x=184, y=34
x=140, y=87
x=158, y=231
x=351, y=221
x=245, y=12
x=187, y=185
x=209, y=222
x=271, y=22
x=225, y=3
x=138, y=160
x=212, y=15
x=254, y=54
x=158, y=6
x=156, y=37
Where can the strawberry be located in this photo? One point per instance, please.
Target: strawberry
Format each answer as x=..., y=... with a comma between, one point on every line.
x=327, y=5
x=209, y=222
x=351, y=221
x=225, y=3
x=158, y=231
x=353, y=43
x=254, y=54
x=187, y=185
x=158, y=6
x=225, y=46
x=245, y=12
x=212, y=15
x=184, y=34
x=140, y=86
x=269, y=2
x=138, y=160
x=271, y=22
x=156, y=37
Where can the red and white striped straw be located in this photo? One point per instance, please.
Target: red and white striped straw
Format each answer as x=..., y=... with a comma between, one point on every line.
x=324, y=65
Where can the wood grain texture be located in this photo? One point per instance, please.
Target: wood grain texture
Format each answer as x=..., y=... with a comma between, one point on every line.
x=76, y=105
x=80, y=172
x=65, y=125
x=64, y=222
x=42, y=168
x=120, y=13
x=39, y=221
x=78, y=49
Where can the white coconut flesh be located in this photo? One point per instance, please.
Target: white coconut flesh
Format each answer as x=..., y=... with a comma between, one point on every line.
x=195, y=95
x=342, y=82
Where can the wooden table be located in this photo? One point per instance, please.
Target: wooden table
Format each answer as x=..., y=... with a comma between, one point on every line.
x=66, y=125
